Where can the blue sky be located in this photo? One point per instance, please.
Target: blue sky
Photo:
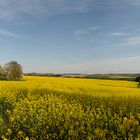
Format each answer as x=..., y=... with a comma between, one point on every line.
x=81, y=36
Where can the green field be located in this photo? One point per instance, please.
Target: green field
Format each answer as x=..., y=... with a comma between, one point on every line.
x=39, y=108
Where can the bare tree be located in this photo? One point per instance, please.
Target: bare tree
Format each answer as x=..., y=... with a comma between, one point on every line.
x=13, y=71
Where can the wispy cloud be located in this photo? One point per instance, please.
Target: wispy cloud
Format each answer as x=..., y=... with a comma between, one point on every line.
x=11, y=9
x=121, y=34
x=131, y=41
x=134, y=40
x=133, y=2
x=88, y=30
x=7, y=33
x=128, y=39
x=99, y=4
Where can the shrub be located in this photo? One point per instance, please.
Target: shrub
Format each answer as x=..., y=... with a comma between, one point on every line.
x=137, y=79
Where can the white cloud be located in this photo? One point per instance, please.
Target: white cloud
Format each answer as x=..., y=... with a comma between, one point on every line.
x=121, y=34
x=133, y=2
x=116, y=3
x=131, y=41
x=10, y=9
x=88, y=30
x=7, y=33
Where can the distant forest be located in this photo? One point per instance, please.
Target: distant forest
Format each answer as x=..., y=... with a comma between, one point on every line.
x=122, y=76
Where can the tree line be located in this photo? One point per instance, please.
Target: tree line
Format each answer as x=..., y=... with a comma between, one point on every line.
x=11, y=71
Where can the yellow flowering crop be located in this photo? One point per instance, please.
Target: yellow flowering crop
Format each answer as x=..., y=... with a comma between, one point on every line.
x=69, y=108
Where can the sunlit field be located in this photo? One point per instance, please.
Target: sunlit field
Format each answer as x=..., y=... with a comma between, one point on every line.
x=69, y=108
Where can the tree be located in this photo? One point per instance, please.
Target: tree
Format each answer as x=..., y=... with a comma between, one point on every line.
x=2, y=74
x=13, y=71
x=137, y=79
x=1, y=70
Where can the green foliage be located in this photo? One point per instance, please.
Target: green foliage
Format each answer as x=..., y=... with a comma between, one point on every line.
x=2, y=74
x=2, y=77
x=137, y=79
x=47, y=114
x=13, y=71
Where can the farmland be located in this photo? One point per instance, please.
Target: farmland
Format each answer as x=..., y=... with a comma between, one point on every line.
x=69, y=108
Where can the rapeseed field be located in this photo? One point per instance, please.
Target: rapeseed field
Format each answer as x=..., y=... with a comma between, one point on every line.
x=40, y=108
